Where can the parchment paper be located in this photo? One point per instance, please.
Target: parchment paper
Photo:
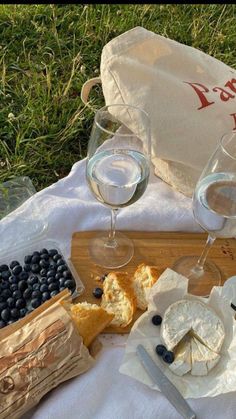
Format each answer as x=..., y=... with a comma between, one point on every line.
x=169, y=288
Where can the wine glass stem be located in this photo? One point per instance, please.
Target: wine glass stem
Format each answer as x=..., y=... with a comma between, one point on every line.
x=202, y=259
x=111, y=238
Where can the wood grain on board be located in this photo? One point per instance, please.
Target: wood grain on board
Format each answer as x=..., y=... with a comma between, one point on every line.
x=155, y=248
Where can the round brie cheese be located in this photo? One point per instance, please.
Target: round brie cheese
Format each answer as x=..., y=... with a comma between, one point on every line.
x=192, y=316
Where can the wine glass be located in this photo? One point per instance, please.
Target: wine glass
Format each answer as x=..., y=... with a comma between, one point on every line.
x=117, y=172
x=214, y=208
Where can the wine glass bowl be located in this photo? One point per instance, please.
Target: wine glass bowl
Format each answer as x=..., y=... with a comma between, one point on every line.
x=117, y=173
x=214, y=209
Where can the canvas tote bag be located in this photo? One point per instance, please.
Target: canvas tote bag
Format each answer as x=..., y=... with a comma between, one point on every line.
x=189, y=96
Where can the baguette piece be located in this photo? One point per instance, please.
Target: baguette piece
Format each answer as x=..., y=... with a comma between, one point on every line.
x=144, y=278
x=90, y=319
x=118, y=298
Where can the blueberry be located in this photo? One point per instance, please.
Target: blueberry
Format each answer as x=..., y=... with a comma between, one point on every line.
x=27, y=259
x=27, y=293
x=15, y=314
x=36, y=286
x=2, y=299
x=168, y=357
x=62, y=268
x=27, y=267
x=60, y=262
x=53, y=286
x=2, y=324
x=6, y=274
x=43, y=251
x=23, y=312
x=35, y=268
x=4, y=268
x=97, y=292
x=53, y=293
x=35, y=302
x=45, y=257
x=13, y=287
x=156, y=320
x=56, y=257
x=67, y=274
x=44, y=263
x=43, y=280
x=17, y=294
x=43, y=288
x=14, y=263
x=35, y=259
x=20, y=303
x=53, y=265
x=3, y=305
x=45, y=296
x=52, y=252
x=11, y=302
x=70, y=283
x=22, y=285
x=36, y=254
x=5, y=314
x=43, y=272
x=160, y=350
x=51, y=273
x=50, y=280
x=62, y=281
x=6, y=293
x=33, y=280
x=13, y=279
x=17, y=270
x=23, y=276
x=5, y=285
x=36, y=294
x=58, y=276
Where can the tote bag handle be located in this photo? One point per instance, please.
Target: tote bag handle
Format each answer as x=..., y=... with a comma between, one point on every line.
x=86, y=88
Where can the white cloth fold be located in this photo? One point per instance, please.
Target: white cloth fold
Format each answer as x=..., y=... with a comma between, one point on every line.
x=103, y=393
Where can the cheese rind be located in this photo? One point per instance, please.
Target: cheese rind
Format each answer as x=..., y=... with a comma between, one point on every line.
x=183, y=360
x=193, y=316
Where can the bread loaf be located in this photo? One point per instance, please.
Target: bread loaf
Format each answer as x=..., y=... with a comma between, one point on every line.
x=90, y=319
x=144, y=278
x=118, y=298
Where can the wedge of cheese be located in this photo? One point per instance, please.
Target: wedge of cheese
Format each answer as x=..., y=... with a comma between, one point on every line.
x=203, y=358
x=183, y=359
x=193, y=316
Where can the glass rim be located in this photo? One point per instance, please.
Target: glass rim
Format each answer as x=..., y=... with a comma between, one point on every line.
x=223, y=139
x=121, y=105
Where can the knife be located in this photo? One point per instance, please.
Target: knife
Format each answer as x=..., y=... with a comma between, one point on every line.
x=165, y=385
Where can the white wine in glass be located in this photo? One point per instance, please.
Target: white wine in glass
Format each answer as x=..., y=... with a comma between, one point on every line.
x=214, y=208
x=117, y=172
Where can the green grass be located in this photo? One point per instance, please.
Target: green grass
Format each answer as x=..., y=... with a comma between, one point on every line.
x=47, y=52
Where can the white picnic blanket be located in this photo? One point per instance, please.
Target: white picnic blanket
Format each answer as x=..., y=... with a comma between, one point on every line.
x=102, y=392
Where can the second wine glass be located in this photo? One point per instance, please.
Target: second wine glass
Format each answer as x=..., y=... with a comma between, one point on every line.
x=214, y=208
x=117, y=171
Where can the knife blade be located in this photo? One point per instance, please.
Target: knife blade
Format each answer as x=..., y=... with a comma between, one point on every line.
x=165, y=385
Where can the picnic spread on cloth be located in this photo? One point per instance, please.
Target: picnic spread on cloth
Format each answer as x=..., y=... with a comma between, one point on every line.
x=51, y=365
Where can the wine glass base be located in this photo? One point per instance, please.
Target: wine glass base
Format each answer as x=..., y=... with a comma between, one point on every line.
x=200, y=281
x=111, y=257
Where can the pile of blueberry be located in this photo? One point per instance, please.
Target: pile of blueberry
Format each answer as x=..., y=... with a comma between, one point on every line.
x=24, y=288
x=161, y=350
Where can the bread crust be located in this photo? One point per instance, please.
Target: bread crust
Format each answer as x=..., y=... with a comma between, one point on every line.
x=90, y=319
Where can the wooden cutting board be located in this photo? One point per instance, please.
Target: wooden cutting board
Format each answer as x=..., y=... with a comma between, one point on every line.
x=160, y=248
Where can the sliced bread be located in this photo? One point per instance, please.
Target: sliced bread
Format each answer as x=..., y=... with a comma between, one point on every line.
x=118, y=298
x=144, y=278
